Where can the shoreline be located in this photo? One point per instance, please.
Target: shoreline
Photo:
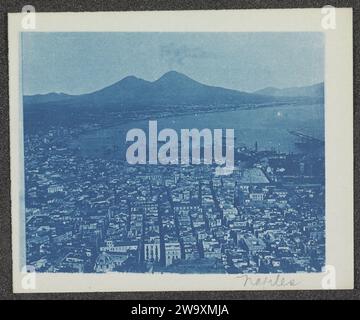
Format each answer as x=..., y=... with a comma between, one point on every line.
x=180, y=114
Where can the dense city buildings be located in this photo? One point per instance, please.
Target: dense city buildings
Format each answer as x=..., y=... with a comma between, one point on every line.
x=101, y=214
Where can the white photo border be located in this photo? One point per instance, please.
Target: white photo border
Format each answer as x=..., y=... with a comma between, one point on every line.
x=338, y=143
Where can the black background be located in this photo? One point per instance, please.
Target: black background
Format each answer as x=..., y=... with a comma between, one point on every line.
x=137, y=5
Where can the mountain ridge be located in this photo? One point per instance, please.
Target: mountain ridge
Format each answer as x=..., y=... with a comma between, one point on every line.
x=172, y=88
x=315, y=90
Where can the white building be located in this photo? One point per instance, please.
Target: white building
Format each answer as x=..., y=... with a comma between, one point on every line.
x=119, y=246
x=172, y=252
x=152, y=250
x=55, y=188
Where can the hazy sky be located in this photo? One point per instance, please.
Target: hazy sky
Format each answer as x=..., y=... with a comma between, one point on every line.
x=78, y=63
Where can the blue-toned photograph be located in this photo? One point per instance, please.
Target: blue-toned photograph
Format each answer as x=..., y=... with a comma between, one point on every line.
x=188, y=153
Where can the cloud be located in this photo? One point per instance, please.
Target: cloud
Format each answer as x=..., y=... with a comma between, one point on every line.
x=176, y=55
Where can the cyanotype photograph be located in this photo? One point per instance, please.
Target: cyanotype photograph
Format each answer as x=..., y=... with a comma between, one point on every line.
x=175, y=153
x=124, y=134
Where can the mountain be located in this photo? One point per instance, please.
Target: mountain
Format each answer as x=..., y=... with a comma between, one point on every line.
x=172, y=89
x=48, y=97
x=172, y=93
x=313, y=91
